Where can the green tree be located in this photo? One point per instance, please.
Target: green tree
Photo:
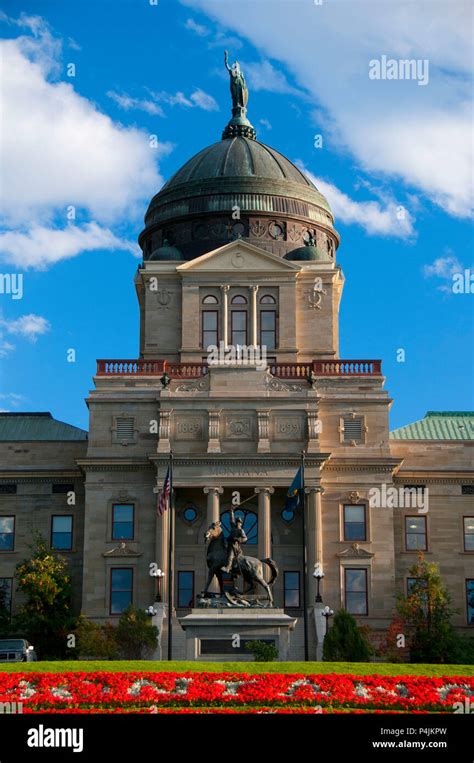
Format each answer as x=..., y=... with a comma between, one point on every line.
x=94, y=640
x=345, y=642
x=427, y=614
x=45, y=618
x=135, y=635
x=5, y=624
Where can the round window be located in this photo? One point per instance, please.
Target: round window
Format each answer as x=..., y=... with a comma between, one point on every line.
x=190, y=514
x=276, y=230
x=287, y=515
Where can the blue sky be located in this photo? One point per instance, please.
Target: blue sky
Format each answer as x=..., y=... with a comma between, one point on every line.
x=395, y=165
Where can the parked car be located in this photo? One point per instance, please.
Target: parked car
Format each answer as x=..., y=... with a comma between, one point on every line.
x=16, y=650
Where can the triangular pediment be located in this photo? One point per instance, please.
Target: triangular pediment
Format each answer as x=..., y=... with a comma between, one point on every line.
x=238, y=256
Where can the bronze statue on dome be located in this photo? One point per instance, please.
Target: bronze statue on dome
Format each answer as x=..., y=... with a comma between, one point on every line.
x=238, y=86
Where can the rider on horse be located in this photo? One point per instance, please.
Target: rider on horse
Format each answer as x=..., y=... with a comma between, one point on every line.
x=236, y=538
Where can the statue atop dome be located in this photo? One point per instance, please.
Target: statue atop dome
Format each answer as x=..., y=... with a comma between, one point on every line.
x=238, y=87
x=239, y=125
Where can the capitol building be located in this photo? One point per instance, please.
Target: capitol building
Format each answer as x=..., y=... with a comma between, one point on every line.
x=240, y=250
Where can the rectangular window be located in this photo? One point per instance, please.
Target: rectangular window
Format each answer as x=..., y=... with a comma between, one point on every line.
x=468, y=533
x=61, y=533
x=63, y=489
x=7, y=533
x=291, y=584
x=125, y=428
x=6, y=588
x=123, y=521
x=210, y=333
x=238, y=327
x=415, y=533
x=9, y=489
x=352, y=429
x=268, y=329
x=467, y=489
x=355, y=588
x=185, y=588
x=121, y=589
x=355, y=523
x=470, y=601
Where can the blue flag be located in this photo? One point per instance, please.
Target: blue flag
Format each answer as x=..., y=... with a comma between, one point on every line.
x=292, y=500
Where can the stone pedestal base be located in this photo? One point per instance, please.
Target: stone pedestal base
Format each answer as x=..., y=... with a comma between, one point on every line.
x=220, y=635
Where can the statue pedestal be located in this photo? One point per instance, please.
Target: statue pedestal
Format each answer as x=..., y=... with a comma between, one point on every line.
x=220, y=635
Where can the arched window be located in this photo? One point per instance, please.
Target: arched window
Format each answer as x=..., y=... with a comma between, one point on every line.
x=267, y=299
x=238, y=300
x=250, y=524
x=210, y=300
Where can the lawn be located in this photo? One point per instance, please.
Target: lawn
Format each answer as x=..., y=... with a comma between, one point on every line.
x=354, y=668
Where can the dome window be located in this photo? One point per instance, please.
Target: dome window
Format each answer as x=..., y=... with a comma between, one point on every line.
x=276, y=230
x=210, y=300
x=239, y=300
x=267, y=299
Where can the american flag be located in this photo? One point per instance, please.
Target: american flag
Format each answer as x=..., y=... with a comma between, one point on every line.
x=164, y=497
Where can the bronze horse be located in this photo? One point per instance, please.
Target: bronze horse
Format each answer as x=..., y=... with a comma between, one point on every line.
x=250, y=568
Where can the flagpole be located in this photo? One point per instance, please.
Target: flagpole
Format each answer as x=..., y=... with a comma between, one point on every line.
x=305, y=563
x=170, y=561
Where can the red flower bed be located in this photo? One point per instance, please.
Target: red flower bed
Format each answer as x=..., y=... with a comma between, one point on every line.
x=228, y=692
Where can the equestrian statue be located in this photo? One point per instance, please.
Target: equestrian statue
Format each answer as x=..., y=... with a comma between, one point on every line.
x=227, y=556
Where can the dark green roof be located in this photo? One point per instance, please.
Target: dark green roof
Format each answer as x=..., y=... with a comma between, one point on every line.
x=438, y=425
x=37, y=426
x=166, y=252
x=308, y=253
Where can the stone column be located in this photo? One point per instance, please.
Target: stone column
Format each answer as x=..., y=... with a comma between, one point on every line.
x=213, y=514
x=213, y=503
x=264, y=525
x=314, y=534
x=314, y=531
x=225, y=314
x=162, y=546
x=253, y=316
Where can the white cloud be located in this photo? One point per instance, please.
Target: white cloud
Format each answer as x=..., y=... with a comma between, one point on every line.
x=204, y=101
x=198, y=98
x=377, y=218
x=41, y=246
x=263, y=76
x=443, y=267
x=420, y=135
x=11, y=398
x=198, y=29
x=59, y=150
x=126, y=102
x=27, y=326
x=5, y=347
x=265, y=123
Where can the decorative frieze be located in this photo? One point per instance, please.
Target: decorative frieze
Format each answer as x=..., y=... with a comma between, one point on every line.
x=288, y=428
x=189, y=428
x=238, y=428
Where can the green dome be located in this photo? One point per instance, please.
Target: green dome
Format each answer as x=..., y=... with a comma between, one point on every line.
x=308, y=253
x=166, y=252
x=239, y=171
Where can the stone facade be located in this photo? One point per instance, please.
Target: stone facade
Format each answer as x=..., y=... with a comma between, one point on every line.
x=235, y=426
